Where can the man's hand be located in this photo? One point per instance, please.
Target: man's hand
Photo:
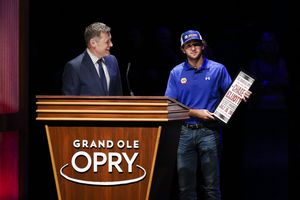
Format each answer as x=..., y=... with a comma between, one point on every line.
x=246, y=95
x=201, y=114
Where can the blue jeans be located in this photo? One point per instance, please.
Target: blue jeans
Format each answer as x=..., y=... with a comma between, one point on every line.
x=198, y=150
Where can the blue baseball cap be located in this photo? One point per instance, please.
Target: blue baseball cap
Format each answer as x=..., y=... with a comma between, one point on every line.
x=190, y=35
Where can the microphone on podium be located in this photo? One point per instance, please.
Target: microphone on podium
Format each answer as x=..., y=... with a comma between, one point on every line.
x=127, y=79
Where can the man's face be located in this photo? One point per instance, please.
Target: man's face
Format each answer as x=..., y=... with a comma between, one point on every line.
x=193, y=48
x=103, y=44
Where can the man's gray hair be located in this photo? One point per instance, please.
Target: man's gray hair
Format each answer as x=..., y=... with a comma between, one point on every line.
x=94, y=30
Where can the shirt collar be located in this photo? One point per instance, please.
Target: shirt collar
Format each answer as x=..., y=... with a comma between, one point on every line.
x=189, y=67
x=93, y=57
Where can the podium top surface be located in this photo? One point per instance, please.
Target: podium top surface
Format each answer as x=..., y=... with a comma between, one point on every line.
x=109, y=108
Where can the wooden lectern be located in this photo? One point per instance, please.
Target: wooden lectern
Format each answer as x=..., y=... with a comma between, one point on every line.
x=112, y=148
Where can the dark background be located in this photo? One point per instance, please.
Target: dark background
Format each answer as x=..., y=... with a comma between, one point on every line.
x=255, y=148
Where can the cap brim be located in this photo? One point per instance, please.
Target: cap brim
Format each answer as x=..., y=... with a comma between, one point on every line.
x=196, y=39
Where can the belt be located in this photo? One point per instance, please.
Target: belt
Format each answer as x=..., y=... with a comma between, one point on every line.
x=194, y=126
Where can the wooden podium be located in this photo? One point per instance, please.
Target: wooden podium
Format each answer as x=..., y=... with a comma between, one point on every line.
x=112, y=148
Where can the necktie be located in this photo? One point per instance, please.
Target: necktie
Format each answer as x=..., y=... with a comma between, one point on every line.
x=102, y=75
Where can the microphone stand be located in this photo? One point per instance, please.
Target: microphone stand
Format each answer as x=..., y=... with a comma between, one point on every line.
x=127, y=79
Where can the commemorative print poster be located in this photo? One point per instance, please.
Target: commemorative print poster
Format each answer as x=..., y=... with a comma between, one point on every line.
x=233, y=96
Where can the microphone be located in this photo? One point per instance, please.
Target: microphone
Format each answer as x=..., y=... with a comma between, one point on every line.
x=128, y=84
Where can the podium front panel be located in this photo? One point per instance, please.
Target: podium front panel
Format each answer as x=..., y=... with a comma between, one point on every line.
x=103, y=162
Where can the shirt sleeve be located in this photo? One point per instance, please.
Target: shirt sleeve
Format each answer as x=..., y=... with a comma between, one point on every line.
x=226, y=80
x=171, y=90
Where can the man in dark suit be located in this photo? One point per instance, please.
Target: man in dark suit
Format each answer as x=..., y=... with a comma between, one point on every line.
x=95, y=72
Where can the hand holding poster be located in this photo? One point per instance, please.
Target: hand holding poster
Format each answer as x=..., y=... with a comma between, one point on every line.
x=233, y=96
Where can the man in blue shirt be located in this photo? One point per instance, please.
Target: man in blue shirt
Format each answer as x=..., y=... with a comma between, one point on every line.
x=200, y=84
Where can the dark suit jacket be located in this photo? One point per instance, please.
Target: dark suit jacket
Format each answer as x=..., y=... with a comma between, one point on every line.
x=80, y=77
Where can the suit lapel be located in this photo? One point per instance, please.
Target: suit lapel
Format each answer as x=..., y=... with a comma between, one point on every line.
x=88, y=63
